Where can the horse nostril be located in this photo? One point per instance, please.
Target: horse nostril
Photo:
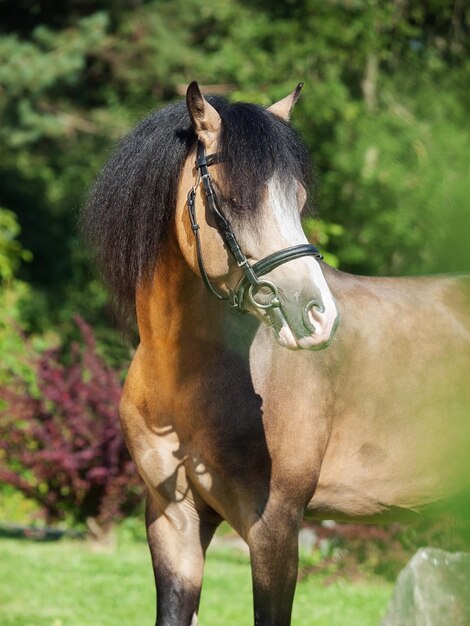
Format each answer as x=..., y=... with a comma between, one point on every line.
x=308, y=316
x=317, y=304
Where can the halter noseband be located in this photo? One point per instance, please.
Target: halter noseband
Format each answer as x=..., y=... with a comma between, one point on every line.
x=250, y=284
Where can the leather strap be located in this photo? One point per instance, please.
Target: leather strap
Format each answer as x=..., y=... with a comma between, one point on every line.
x=251, y=273
x=272, y=261
x=269, y=263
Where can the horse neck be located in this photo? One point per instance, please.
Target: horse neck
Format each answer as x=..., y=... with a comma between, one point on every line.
x=176, y=316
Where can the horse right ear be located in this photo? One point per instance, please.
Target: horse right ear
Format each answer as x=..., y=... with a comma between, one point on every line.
x=206, y=121
x=284, y=107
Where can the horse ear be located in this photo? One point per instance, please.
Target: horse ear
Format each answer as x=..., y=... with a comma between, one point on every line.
x=283, y=107
x=206, y=121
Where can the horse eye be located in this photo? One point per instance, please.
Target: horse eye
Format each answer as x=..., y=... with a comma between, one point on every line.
x=231, y=202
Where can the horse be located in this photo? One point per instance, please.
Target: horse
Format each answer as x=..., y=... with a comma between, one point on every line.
x=266, y=385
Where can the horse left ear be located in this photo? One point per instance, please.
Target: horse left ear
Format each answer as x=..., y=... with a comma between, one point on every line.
x=283, y=107
x=206, y=121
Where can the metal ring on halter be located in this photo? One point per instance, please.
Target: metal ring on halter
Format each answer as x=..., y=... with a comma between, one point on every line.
x=274, y=301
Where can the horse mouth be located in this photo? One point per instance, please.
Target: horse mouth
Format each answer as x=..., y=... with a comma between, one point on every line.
x=306, y=337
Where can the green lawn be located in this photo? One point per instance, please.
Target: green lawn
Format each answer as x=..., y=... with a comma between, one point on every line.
x=67, y=583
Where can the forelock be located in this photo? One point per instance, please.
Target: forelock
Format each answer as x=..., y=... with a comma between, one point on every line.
x=256, y=145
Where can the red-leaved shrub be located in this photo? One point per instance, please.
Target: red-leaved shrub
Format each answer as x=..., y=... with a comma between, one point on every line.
x=65, y=449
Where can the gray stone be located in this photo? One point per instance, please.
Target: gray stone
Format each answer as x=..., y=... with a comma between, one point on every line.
x=433, y=589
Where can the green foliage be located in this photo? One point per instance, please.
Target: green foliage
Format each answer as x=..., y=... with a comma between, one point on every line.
x=15, y=507
x=11, y=251
x=371, y=112
x=17, y=359
x=324, y=234
x=32, y=70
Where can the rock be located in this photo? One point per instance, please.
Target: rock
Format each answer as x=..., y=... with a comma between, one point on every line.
x=433, y=589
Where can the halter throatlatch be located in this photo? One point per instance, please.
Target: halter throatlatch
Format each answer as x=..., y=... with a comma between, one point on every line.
x=250, y=285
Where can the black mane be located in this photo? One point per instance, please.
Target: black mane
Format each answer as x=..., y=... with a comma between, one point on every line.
x=131, y=205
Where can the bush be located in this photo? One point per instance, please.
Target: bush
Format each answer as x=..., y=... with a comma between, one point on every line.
x=64, y=448
x=14, y=294
x=364, y=550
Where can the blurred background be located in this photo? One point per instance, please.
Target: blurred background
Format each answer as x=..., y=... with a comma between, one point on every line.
x=384, y=112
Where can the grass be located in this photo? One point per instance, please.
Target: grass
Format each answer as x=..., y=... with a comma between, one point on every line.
x=69, y=583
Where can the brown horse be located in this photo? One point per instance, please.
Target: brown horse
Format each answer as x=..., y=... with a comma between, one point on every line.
x=224, y=422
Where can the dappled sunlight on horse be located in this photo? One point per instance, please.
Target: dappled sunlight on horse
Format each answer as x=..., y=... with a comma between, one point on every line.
x=340, y=396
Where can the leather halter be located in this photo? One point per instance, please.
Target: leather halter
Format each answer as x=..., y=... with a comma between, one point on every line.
x=250, y=284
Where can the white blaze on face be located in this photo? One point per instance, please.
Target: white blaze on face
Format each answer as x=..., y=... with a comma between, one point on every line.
x=282, y=228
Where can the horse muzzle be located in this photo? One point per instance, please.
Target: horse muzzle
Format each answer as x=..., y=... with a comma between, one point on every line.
x=308, y=327
x=300, y=320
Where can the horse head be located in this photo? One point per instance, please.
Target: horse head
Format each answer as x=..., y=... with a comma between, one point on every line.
x=239, y=226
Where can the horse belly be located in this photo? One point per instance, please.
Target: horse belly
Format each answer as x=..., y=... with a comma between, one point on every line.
x=395, y=464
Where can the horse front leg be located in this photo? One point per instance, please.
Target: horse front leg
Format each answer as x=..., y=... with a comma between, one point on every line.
x=178, y=537
x=273, y=542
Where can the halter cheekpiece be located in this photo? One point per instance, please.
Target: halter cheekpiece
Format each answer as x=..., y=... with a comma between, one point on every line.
x=250, y=285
